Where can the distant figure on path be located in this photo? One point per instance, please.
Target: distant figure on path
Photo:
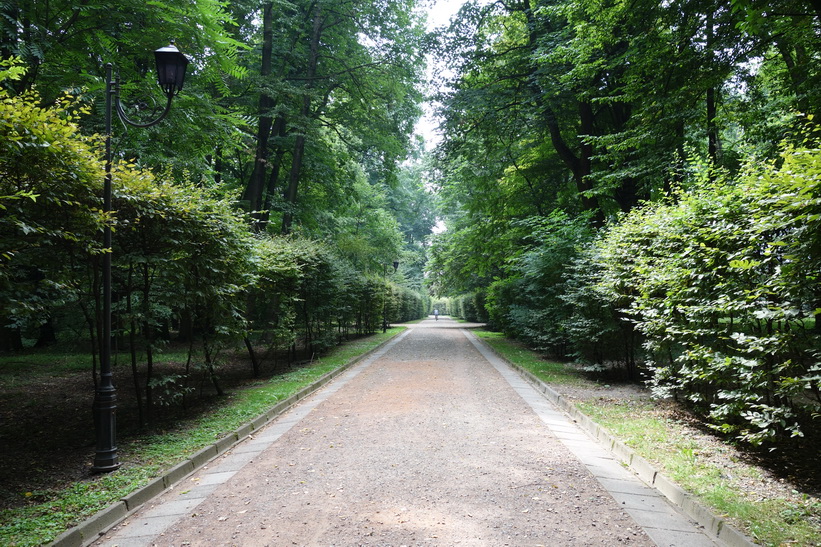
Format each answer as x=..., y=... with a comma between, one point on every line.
x=436, y=314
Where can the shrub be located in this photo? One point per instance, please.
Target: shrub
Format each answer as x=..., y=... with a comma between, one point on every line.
x=723, y=284
x=528, y=304
x=50, y=201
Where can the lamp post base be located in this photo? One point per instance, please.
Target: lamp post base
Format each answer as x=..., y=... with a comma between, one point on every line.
x=105, y=424
x=105, y=465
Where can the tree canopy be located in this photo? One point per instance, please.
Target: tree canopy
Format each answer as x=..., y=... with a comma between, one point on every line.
x=301, y=132
x=597, y=158
x=598, y=181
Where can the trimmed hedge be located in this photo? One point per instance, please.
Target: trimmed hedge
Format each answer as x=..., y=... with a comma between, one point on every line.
x=714, y=295
x=186, y=263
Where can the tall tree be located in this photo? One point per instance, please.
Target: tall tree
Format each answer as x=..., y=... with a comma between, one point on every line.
x=594, y=106
x=351, y=67
x=67, y=44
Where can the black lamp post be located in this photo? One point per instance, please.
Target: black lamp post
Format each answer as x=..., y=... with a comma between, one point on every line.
x=171, y=65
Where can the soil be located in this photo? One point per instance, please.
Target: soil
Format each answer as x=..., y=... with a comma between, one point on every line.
x=46, y=441
x=47, y=438
x=428, y=445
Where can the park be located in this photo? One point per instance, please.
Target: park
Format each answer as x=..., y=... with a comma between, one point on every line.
x=623, y=201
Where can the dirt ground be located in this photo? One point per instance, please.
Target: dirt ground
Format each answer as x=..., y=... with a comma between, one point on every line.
x=427, y=446
x=46, y=442
x=46, y=422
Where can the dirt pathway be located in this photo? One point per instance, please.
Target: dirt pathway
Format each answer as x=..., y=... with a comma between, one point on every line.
x=427, y=445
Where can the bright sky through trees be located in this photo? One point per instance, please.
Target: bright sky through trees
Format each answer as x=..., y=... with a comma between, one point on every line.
x=439, y=14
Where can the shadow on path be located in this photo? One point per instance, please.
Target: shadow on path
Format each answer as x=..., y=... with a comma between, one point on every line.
x=432, y=440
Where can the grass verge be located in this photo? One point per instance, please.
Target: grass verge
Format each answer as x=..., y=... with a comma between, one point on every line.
x=700, y=464
x=50, y=513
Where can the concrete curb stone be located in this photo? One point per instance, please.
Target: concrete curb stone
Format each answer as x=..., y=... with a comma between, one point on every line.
x=715, y=525
x=226, y=442
x=92, y=528
x=106, y=518
x=138, y=497
x=178, y=472
x=244, y=431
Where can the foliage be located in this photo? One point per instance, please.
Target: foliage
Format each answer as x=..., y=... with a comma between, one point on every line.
x=335, y=85
x=715, y=284
x=65, y=47
x=48, y=177
x=594, y=106
x=695, y=461
x=185, y=263
x=470, y=307
x=527, y=303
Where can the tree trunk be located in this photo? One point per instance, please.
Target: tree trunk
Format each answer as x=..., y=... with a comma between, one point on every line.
x=712, y=108
x=135, y=373
x=210, y=352
x=579, y=165
x=712, y=129
x=674, y=177
x=279, y=130
x=148, y=335
x=293, y=184
x=48, y=335
x=253, y=355
x=797, y=60
x=218, y=166
x=299, y=146
x=256, y=184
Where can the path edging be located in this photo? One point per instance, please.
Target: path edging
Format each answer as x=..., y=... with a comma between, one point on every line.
x=96, y=525
x=716, y=526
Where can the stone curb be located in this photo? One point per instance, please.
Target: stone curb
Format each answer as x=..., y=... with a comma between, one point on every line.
x=92, y=528
x=713, y=524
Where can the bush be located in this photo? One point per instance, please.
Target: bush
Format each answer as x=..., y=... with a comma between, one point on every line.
x=723, y=284
x=528, y=304
x=50, y=187
x=598, y=332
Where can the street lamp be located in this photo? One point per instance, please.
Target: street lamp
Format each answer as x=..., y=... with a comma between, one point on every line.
x=171, y=65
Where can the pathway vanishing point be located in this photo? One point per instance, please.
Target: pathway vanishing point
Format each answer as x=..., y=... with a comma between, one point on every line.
x=431, y=440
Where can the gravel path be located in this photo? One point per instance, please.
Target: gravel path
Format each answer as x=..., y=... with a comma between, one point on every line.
x=427, y=446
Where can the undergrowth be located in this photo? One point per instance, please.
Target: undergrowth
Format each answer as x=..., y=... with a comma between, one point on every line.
x=704, y=466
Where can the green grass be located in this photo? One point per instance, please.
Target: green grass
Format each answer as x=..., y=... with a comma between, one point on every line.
x=50, y=513
x=684, y=460
x=29, y=368
x=42, y=363
x=679, y=455
x=547, y=371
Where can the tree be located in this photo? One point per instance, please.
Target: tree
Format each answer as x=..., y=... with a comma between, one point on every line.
x=66, y=45
x=595, y=106
x=349, y=68
x=50, y=177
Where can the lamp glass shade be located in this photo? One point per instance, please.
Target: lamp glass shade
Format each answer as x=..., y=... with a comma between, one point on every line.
x=171, y=66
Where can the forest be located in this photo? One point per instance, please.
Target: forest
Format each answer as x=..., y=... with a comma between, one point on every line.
x=635, y=185
x=268, y=209
x=630, y=185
